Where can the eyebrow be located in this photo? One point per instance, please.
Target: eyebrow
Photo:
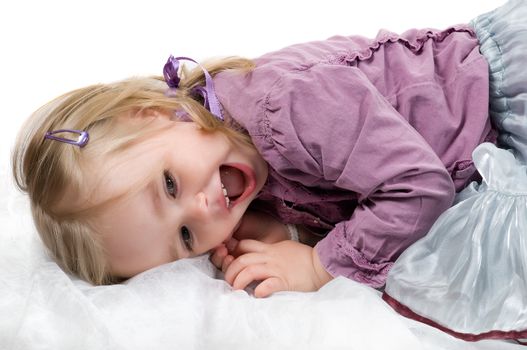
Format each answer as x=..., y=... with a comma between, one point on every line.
x=155, y=203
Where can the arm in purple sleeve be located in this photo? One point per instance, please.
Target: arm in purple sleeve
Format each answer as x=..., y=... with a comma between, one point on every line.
x=330, y=125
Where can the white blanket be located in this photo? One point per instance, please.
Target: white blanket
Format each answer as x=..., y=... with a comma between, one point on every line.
x=184, y=305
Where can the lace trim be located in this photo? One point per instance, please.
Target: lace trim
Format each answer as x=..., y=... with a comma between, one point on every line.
x=293, y=232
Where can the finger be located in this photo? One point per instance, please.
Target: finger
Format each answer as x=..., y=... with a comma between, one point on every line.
x=218, y=256
x=249, y=246
x=240, y=263
x=226, y=262
x=231, y=244
x=219, y=248
x=269, y=286
x=251, y=273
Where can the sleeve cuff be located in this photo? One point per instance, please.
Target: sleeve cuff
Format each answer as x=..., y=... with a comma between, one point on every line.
x=339, y=258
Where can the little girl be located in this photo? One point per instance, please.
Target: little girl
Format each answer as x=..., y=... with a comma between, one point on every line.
x=351, y=145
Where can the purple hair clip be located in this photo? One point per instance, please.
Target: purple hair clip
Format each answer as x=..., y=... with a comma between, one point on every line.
x=82, y=138
x=170, y=72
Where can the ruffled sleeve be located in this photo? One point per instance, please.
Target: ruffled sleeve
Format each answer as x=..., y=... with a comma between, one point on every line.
x=327, y=125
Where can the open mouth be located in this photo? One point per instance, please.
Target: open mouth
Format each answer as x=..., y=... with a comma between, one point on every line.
x=237, y=182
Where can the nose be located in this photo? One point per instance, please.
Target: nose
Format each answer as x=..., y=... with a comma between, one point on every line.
x=198, y=207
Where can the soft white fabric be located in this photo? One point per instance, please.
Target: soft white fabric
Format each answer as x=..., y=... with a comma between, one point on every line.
x=184, y=306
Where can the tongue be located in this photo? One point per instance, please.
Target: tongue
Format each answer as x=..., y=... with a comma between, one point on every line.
x=233, y=181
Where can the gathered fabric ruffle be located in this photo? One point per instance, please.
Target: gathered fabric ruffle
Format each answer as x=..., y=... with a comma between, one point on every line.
x=357, y=266
x=415, y=45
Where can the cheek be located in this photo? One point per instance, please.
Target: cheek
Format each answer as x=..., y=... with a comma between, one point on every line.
x=127, y=243
x=131, y=250
x=212, y=236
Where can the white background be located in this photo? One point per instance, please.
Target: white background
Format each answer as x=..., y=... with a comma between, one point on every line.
x=50, y=47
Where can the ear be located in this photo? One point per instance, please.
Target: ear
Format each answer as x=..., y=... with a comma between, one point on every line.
x=153, y=113
x=149, y=113
x=138, y=115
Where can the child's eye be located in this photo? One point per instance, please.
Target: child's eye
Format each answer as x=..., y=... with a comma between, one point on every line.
x=170, y=184
x=186, y=237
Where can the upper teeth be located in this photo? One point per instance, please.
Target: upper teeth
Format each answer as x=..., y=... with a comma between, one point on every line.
x=227, y=200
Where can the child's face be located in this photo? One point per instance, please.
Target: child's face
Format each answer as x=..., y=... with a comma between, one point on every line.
x=182, y=212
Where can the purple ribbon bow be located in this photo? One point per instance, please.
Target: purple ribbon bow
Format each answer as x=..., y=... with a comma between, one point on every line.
x=170, y=72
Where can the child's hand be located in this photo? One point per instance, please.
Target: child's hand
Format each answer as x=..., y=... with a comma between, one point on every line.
x=261, y=227
x=220, y=256
x=281, y=266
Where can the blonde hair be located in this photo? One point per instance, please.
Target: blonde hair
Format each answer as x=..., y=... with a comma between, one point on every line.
x=49, y=170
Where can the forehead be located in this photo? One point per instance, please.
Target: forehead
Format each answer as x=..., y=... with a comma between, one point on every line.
x=107, y=176
x=124, y=171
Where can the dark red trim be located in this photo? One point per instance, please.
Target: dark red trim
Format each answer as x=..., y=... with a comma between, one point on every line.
x=502, y=335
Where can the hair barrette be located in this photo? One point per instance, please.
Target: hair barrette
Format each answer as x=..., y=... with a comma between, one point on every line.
x=82, y=138
x=211, y=102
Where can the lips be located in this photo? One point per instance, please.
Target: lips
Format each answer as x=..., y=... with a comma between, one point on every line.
x=238, y=182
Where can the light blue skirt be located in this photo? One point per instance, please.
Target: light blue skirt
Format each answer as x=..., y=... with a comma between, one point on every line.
x=468, y=275
x=503, y=37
